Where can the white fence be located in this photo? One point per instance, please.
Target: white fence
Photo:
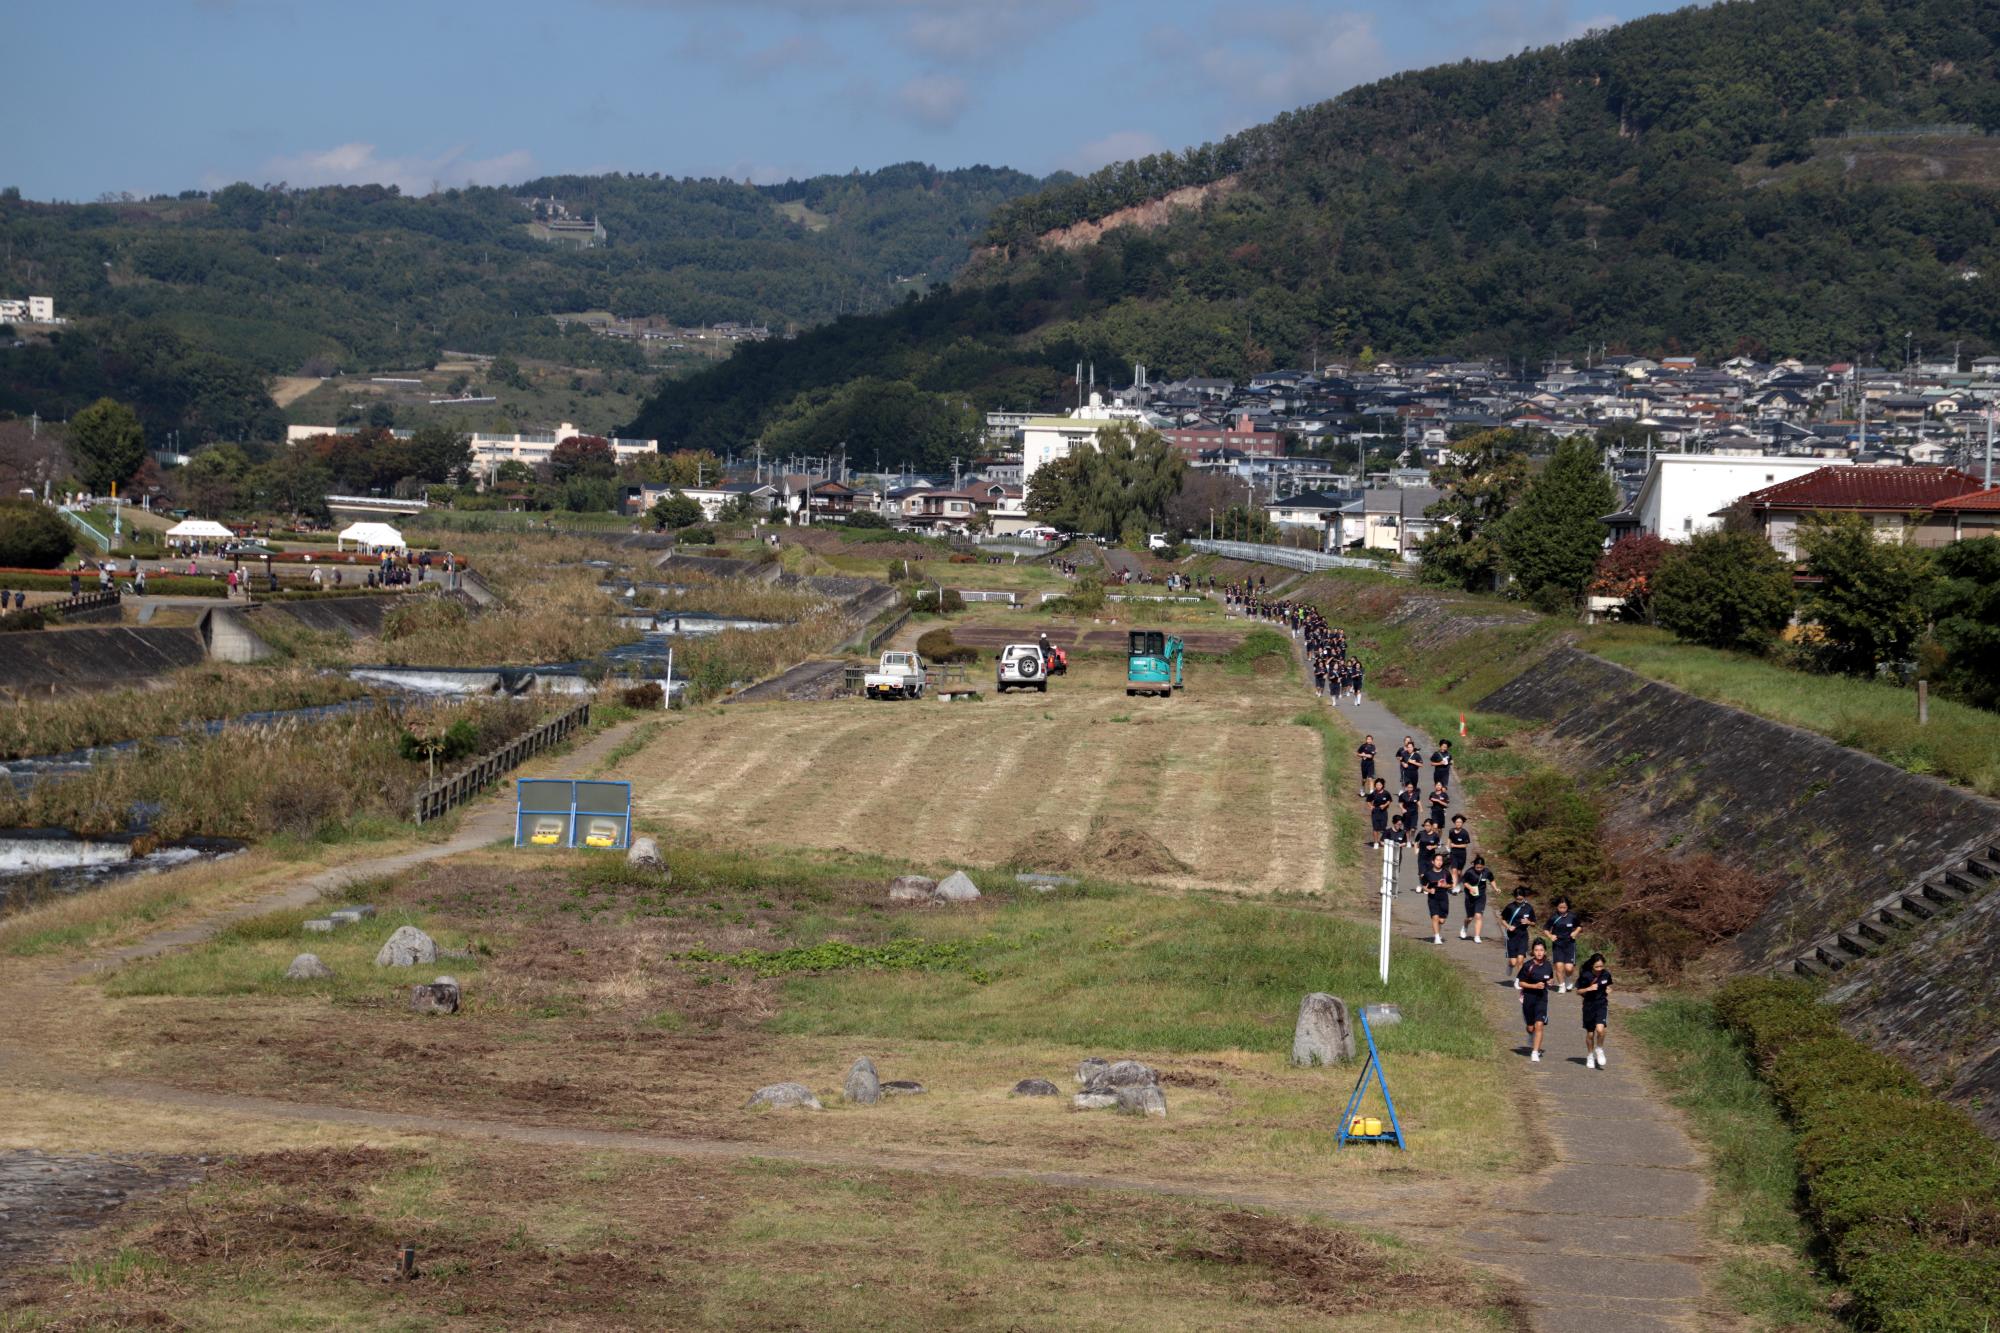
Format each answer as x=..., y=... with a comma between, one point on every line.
x=1309, y=561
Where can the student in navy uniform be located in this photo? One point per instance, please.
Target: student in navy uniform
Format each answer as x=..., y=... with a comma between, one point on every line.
x=1410, y=801
x=1427, y=840
x=1436, y=877
x=1366, y=754
x=1406, y=761
x=1519, y=918
x=1441, y=765
x=1595, y=988
x=1460, y=842
x=1397, y=835
x=1379, y=801
x=1533, y=982
x=1474, y=883
x=1561, y=934
x=1440, y=803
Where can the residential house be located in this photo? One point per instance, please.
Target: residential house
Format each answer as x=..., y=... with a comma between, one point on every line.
x=1681, y=493
x=1897, y=501
x=1390, y=518
x=1313, y=511
x=1974, y=515
x=758, y=495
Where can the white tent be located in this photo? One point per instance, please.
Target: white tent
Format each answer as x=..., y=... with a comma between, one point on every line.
x=376, y=536
x=199, y=527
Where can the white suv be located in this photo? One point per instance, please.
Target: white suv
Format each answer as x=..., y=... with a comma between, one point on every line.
x=1021, y=665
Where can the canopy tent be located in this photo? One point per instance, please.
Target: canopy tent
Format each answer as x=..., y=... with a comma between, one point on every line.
x=376, y=536
x=200, y=527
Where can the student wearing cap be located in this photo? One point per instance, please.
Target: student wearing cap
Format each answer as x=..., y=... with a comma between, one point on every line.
x=1366, y=754
x=1561, y=934
x=1474, y=883
x=1533, y=982
x=1519, y=918
x=1595, y=988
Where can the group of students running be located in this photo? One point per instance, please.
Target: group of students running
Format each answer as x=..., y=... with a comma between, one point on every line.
x=1336, y=674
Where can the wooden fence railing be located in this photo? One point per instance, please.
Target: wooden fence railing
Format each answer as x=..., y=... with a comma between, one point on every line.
x=462, y=786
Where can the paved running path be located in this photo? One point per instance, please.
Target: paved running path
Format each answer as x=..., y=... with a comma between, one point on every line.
x=1608, y=1235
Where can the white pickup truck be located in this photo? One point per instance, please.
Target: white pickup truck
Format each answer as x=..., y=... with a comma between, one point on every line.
x=1021, y=666
x=898, y=676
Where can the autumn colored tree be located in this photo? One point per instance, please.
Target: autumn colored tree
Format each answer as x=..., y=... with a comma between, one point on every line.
x=1627, y=571
x=583, y=455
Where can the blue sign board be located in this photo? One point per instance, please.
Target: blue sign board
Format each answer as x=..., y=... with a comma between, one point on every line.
x=564, y=812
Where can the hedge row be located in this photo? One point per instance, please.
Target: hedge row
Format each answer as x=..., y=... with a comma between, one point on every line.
x=1904, y=1188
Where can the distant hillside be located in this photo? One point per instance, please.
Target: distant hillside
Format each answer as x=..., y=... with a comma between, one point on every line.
x=1685, y=182
x=361, y=278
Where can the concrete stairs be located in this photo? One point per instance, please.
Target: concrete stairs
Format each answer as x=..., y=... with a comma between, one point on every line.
x=1893, y=918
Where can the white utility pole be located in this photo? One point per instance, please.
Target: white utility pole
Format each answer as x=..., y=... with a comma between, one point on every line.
x=1389, y=858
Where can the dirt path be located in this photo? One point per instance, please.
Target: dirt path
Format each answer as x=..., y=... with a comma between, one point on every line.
x=1610, y=1230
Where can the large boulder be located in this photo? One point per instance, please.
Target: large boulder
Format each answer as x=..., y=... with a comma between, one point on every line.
x=1092, y=1068
x=308, y=967
x=912, y=889
x=1147, y=1100
x=645, y=854
x=863, y=1086
x=1094, y=1101
x=440, y=997
x=1102, y=1077
x=1322, y=1035
x=902, y=1087
x=1035, y=1087
x=784, y=1096
x=407, y=948
x=958, y=888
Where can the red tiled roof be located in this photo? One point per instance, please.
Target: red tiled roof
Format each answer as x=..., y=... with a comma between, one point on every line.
x=1866, y=488
x=1984, y=501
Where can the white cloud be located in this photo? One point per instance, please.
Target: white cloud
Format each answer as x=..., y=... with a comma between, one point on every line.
x=934, y=101
x=1118, y=146
x=1508, y=28
x=360, y=164
x=1268, y=58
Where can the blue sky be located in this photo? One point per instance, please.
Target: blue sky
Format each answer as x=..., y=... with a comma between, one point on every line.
x=163, y=95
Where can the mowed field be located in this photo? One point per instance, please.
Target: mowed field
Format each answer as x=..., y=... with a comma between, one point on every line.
x=1220, y=778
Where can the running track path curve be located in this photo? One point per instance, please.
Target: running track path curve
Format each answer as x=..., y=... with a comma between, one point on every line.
x=1608, y=1235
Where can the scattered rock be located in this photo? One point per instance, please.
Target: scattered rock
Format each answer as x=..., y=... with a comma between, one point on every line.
x=1092, y=1068
x=406, y=948
x=1122, y=1074
x=352, y=912
x=902, y=1087
x=440, y=997
x=1147, y=1100
x=784, y=1096
x=958, y=888
x=1041, y=883
x=1322, y=1035
x=863, y=1086
x=645, y=853
x=1035, y=1087
x=1094, y=1101
x=1382, y=1015
x=319, y=925
x=461, y=954
x=308, y=967
x=912, y=889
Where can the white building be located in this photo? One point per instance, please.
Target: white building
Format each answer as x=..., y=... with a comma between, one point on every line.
x=1047, y=439
x=28, y=310
x=490, y=451
x=1682, y=492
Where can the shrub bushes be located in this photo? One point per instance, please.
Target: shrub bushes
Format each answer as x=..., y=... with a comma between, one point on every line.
x=937, y=646
x=33, y=535
x=1905, y=1189
x=931, y=601
x=1555, y=840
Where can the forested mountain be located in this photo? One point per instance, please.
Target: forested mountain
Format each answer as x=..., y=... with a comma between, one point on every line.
x=1710, y=180
x=251, y=281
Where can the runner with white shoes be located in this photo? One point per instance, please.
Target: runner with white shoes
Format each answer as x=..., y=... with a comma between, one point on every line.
x=1474, y=883
x=1561, y=934
x=1533, y=981
x=1595, y=988
x=1519, y=918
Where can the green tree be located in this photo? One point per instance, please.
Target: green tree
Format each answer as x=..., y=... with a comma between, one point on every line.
x=1966, y=619
x=1868, y=596
x=675, y=510
x=1554, y=537
x=1483, y=478
x=1126, y=482
x=107, y=443
x=439, y=453
x=212, y=483
x=1725, y=590
x=33, y=536
x=293, y=482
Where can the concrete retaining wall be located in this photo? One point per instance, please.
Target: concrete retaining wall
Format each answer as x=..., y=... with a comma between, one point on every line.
x=39, y=661
x=1839, y=829
x=356, y=617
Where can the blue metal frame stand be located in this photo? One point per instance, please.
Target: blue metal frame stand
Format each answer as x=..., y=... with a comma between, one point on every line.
x=1394, y=1134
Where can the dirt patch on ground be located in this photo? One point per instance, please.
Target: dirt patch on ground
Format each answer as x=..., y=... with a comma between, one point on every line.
x=1105, y=851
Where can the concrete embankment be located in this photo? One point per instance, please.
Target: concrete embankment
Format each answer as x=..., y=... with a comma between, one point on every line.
x=89, y=658
x=355, y=617
x=1883, y=874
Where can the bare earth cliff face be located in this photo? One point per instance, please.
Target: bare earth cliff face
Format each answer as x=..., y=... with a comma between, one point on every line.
x=1147, y=216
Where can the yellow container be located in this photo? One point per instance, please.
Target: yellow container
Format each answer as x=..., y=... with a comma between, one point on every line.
x=1374, y=1126
x=1365, y=1126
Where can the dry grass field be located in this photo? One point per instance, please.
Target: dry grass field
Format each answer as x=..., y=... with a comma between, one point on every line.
x=1215, y=788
